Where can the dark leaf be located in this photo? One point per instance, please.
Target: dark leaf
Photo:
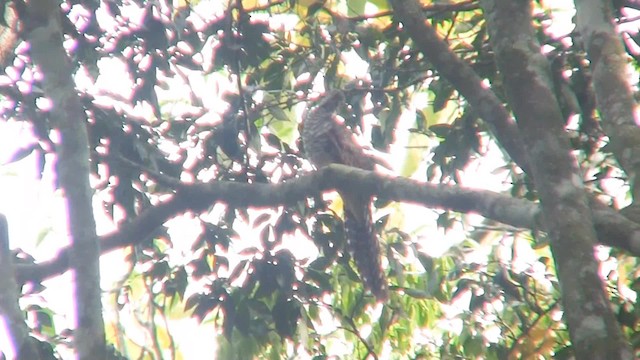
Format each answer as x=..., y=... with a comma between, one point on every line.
x=22, y=153
x=285, y=316
x=441, y=130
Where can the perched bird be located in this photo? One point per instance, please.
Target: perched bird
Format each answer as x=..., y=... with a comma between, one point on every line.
x=327, y=141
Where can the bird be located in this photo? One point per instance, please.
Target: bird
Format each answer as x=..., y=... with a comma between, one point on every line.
x=327, y=141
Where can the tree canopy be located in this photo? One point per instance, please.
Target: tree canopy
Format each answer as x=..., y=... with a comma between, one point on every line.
x=507, y=134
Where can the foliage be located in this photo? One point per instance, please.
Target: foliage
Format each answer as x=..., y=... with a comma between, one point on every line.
x=213, y=91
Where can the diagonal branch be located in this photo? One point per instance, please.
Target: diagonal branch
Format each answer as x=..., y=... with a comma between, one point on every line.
x=593, y=328
x=462, y=77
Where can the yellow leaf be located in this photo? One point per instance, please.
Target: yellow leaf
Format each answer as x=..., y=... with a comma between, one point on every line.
x=415, y=152
x=164, y=339
x=337, y=205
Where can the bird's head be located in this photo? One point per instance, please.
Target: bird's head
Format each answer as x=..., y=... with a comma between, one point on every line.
x=332, y=100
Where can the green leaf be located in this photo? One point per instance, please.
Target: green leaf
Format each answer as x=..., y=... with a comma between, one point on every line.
x=382, y=5
x=285, y=130
x=356, y=7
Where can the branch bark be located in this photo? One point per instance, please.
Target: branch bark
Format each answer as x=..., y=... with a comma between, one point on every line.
x=462, y=77
x=614, y=96
x=614, y=229
x=25, y=347
x=593, y=328
x=43, y=30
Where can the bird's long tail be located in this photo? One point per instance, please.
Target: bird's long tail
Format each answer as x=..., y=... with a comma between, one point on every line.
x=365, y=248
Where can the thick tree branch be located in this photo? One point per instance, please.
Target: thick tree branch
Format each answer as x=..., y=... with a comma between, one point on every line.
x=593, y=328
x=611, y=83
x=17, y=330
x=462, y=77
x=490, y=108
x=44, y=32
x=614, y=229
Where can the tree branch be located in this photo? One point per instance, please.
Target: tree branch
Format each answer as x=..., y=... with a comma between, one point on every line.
x=462, y=77
x=24, y=346
x=611, y=83
x=613, y=229
x=43, y=30
x=593, y=328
